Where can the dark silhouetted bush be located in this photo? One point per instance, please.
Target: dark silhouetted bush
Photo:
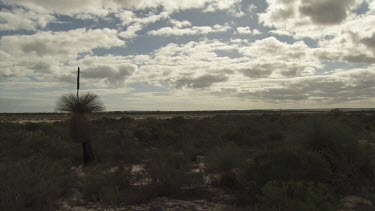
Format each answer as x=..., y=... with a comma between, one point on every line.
x=296, y=196
x=109, y=187
x=225, y=158
x=34, y=184
x=349, y=160
x=168, y=171
x=286, y=163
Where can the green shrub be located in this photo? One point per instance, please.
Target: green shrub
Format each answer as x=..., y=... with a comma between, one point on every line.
x=168, y=171
x=16, y=146
x=110, y=194
x=148, y=131
x=117, y=146
x=34, y=184
x=350, y=162
x=106, y=187
x=50, y=148
x=115, y=187
x=187, y=148
x=225, y=158
x=296, y=196
x=288, y=163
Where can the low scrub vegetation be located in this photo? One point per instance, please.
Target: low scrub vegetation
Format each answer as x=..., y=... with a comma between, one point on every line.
x=109, y=187
x=33, y=184
x=225, y=158
x=295, y=196
x=267, y=162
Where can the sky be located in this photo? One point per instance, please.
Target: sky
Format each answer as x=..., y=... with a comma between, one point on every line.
x=188, y=54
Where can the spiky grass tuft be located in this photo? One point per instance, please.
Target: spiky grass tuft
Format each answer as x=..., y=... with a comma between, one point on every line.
x=86, y=103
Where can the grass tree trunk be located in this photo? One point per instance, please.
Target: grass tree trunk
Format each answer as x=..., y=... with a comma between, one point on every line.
x=80, y=132
x=80, y=129
x=88, y=153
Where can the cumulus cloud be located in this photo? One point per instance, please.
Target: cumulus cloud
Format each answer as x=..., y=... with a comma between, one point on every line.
x=199, y=82
x=277, y=70
x=339, y=87
x=113, y=76
x=349, y=47
x=260, y=71
x=65, y=44
x=178, y=5
x=24, y=103
x=326, y=12
x=201, y=65
x=195, y=30
x=72, y=6
x=369, y=42
x=232, y=7
x=247, y=30
x=221, y=5
x=359, y=58
x=41, y=67
x=180, y=24
x=49, y=54
x=93, y=9
x=134, y=24
x=311, y=18
x=69, y=7
x=20, y=18
x=283, y=59
x=131, y=31
x=267, y=58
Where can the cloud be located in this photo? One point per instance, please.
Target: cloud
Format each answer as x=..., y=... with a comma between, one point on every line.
x=326, y=12
x=261, y=71
x=195, y=30
x=232, y=7
x=131, y=31
x=72, y=6
x=68, y=7
x=369, y=42
x=52, y=53
x=340, y=87
x=349, y=47
x=66, y=44
x=263, y=59
x=178, y=5
x=98, y=8
x=134, y=24
x=197, y=65
x=221, y=5
x=312, y=18
x=128, y=17
x=278, y=69
x=200, y=82
x=22, y=104
x=359, y=58
x=247, y=30
x=41, y=67
x=180, y=24
x=18, y=19
x=284, y=59
x=113, y=76
x=281, y=33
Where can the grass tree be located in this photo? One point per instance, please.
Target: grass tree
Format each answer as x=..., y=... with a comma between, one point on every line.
x=79, y=106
